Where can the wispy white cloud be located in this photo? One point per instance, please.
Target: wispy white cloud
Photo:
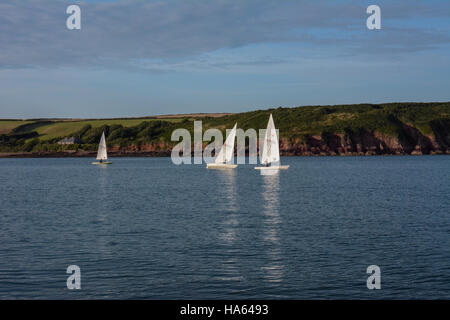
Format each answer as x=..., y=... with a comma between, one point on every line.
x=180, y=32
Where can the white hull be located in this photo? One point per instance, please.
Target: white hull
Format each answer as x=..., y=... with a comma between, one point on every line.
x=220, y=166
x=272, y=168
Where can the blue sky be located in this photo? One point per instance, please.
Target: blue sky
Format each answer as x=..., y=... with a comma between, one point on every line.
x=138, y=58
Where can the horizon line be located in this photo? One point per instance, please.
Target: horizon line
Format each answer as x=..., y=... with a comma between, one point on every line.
x=211, y=114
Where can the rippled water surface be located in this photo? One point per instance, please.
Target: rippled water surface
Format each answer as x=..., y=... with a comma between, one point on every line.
x=145, y=228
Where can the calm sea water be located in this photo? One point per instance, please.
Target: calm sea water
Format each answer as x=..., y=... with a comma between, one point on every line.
x=145, y=228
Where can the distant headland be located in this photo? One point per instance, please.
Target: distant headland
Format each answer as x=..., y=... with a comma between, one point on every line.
x=362, y=129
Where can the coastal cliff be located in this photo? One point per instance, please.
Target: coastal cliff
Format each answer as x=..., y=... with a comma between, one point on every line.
x=354, y=144
x=366, y=129
x=365, y=143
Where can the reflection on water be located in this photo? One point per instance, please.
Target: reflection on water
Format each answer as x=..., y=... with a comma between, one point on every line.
x=228, y=193
x=101, y=219
x=102, y=192
x=229, y=232
x=274, y=269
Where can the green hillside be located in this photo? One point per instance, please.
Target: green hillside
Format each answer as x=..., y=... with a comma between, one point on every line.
x=430, y=119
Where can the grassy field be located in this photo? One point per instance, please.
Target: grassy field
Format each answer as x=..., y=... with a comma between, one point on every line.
x=62, y=129
x=7, y=125
x=65, y=128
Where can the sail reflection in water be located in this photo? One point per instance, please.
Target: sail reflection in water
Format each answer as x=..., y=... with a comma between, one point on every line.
x=227, y=181
x=229, y=233
x=101, y=218
x=274, y=268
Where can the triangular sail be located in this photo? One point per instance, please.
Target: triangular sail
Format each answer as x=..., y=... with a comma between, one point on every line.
x=226, y=153
x=101, y=153
x=271, y=149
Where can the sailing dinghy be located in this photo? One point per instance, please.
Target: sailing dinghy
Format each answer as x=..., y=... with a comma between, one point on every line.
x=270, y=157
x=225, y=156
x=102, y=155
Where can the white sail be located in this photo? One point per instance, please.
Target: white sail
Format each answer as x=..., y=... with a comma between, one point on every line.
x=226, y=153
x=101, y=153
x=271, y=149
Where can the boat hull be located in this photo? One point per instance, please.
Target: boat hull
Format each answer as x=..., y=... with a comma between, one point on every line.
x=272, y=168
x=101, y=162
x=220, y=166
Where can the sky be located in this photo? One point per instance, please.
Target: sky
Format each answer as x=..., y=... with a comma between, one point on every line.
x=139, y=58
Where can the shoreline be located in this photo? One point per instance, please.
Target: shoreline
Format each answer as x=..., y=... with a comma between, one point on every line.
x=159, y=154
x=84, y=154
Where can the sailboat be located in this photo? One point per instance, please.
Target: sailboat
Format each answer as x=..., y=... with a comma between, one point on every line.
x=225, y=155
x=270, y=157
x=102, y=155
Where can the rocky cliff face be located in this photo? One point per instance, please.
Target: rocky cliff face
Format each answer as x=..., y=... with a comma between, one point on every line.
x=409, y=141
x=149, y=149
